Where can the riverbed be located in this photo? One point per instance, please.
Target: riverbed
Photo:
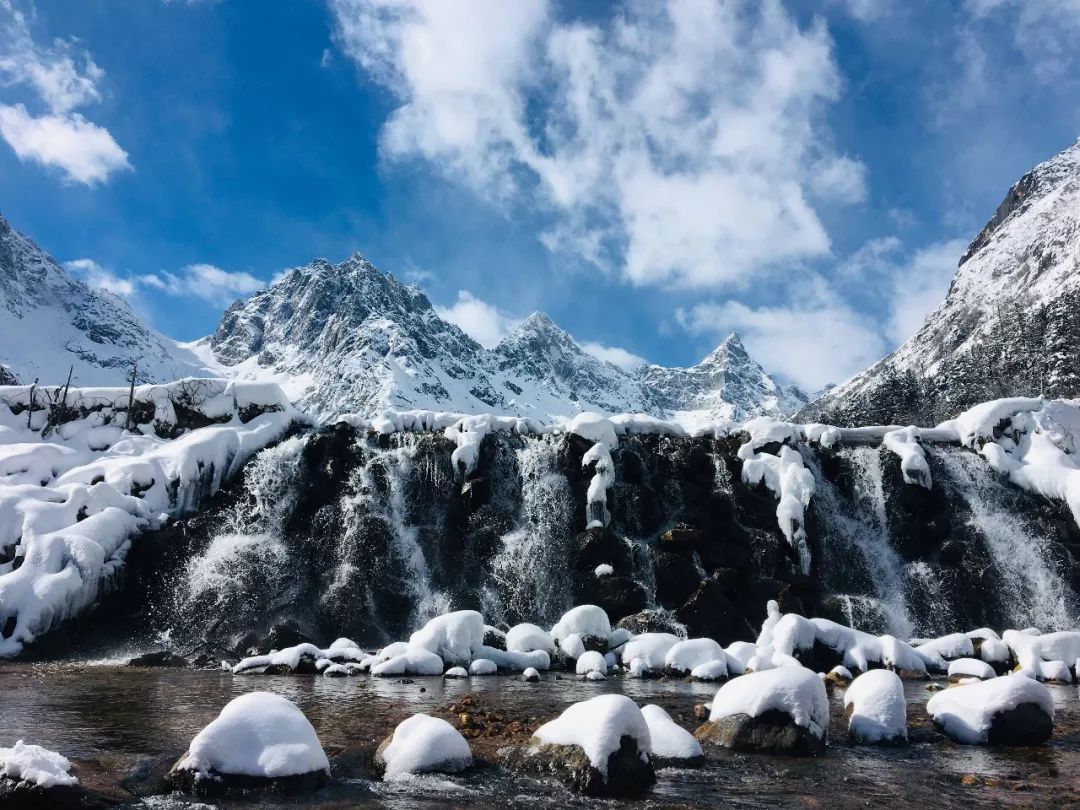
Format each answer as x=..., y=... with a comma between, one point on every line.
x=119, y=722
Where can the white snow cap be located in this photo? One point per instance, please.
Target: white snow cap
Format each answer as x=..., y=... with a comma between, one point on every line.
x=593, y=427
x=994, y=651
x=530, y=674
x=840, y=671
x=598, y=725
x=684, y=656
x=650, y=648
x=591, y=661
x=604, y=570
x=584, y=620
x=257, y=734
x=456, y=672
x=483, y=666
x=971, y=668
x=966, y=711
x=413, y=661
x=528, y=637
x=669, y=739
x=710, y=671
x=794, y=690
x=879, y=711
x=32, y=763
x=423, y=744
x=454, y=637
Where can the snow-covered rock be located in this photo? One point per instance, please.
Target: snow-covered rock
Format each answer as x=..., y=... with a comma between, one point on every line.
x=591, y=661
x=530, y=675
x=454, y=637
x=711, y=671
x=588, y=622
x=257, y=737
x=650, y=650
x=599, y=746
x=672, y=745
x=528, y=637
x=483, y=666
x=970, y=668
x=684, y=656
x=456, y=672
x=35, y=765
x=423, y=744
x=783, y=710
x=412, y=661
x=1010, y=710
x=877, y=708
x=292, y=658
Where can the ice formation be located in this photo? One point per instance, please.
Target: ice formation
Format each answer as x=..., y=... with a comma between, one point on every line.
x=905, y=444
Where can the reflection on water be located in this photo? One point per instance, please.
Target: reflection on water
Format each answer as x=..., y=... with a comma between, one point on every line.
x=119, y=717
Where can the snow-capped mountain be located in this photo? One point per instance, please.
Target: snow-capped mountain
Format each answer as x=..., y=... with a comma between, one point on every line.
x=727, y=383
x=1009, y=326
x=552, y=370
x=50, y=321
x=348, y=337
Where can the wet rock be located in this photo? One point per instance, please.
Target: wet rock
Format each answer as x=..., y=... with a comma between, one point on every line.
x=598, y=546
x=681, y=539
x=16, y=794
x=628, y=774
x=676, y=578
x=619, y=596
x=651, y=621
x=709, y=613
x=234, y=786
x=772, y=732
x=280, y=636
x=494, y=637
x=161, y=658
x=1027, y=724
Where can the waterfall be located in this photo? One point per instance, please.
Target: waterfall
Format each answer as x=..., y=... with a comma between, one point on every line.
x=1034, y=592
x=858, y=560
x=529, y=578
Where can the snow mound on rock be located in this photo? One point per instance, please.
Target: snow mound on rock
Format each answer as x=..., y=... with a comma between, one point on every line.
x=796, y=691
x=583, y=620
x=650, y=648
x=591, y=661
x=257, y=734
x=966, y=712
x=684, y=656
x=597, y=726
x=412, y=661
x=425, y=744
x=878, y=707
x=669, y=739
x=527, y=637
x=454, y=637
x=37, y=765
x=970, y=668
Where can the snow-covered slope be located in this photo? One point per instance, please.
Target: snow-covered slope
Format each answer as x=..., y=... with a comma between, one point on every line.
x=727, y=384
x=554, y=373
x=349, y=338
x=1009, y=326
x=50, y=321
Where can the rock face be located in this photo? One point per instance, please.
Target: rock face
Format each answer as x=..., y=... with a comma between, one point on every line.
x=50, y=321
x=771, y=732
x=1027, y=724
x=628, y=774
x=1009, y=326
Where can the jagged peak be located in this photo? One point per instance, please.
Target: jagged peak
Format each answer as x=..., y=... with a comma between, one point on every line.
x=730, y=346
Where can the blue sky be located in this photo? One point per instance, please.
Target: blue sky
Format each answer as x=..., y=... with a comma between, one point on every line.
x=652, y=175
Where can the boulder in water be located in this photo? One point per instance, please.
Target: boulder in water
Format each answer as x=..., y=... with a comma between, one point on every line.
x=1008, y=710
x=598, y=747
x=672, y=745
x=161, y=658
x=35, y=778
x=422, y=744
x=876, y=709
x=783, y=711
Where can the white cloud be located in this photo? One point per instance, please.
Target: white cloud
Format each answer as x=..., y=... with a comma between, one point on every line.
x=205, y=281
x=326, y=58
x=99, y=278
x=812, y=342
x=920, y=285
x=62, y=80
x=84, y=151
x=678, y=142
x=1044, y=31
x=628, y=361
x=484, y=323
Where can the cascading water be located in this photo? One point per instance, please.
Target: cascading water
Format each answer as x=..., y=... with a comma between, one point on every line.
x=1033, y=590
x=858, y=561
x=529, y=576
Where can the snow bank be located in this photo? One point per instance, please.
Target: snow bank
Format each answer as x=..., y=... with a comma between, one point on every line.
x=528, y=637
x=796, y=691
x=978, y=424
x=966, y=712
x=455, y=637
x=650, y=649
x=669, y=739
x=939, y=651
x=37, y=765
x=74, y=494
x=971, y=668
x=425, y=744
x=257, y=734
x=794, y=633
x=684, y=656
x=905, y=444
x=878, y=707
x=597, y=726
